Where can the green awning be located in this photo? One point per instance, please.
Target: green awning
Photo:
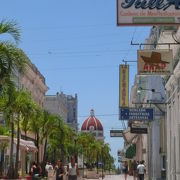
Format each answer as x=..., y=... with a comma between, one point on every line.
x=131, y=151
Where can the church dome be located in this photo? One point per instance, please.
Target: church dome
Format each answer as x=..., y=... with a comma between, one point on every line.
x=92, y=123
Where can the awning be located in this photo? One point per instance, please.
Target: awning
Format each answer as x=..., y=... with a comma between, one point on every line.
x=129, y=137
x=24, y=145
x=27, y=145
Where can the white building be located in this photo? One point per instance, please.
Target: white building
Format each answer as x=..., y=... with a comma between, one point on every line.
x=171, y=34
x=173, y=109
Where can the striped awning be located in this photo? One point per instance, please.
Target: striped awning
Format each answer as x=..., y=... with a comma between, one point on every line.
x=28, y=146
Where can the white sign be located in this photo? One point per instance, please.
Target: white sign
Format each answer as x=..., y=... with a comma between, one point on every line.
x=148, y=12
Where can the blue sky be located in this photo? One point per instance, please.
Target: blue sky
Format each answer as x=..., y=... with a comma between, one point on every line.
x=77, y=46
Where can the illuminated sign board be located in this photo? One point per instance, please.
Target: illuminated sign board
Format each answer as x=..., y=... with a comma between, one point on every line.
x=148, y=12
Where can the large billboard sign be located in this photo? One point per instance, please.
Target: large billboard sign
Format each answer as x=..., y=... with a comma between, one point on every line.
x=123, y=86
x=148, y=12
x=155, y=62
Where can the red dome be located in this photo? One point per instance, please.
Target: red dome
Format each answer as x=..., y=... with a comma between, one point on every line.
x=92, y=123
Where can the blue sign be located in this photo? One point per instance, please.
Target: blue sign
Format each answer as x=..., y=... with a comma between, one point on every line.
x=136, y=114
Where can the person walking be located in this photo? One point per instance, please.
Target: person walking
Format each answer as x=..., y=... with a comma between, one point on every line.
x=134, y=169
x=59, y=169
x=72, y=170
x=125, y=170
x=141, y=170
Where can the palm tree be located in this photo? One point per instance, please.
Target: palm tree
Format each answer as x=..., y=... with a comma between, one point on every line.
x=35, y=126
x=11, y=59
x=23, y=104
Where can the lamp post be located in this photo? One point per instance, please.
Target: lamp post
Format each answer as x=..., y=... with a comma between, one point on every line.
x=102, y=156
x=151, y=90
x=75, y=152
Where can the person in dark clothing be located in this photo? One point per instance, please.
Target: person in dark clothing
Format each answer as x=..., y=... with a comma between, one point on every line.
x=125, y=170
x=134, y=169
x=59, y=170
x=34, y=171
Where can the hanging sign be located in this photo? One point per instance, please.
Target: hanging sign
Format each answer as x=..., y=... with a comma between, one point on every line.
x=137, y=114
x=116, y=133
x=139, y=128
x=157, y=62
x=148, y=12
x=123, y=86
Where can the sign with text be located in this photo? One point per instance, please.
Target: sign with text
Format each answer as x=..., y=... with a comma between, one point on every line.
x=157, y=62
x=138, y=128
x=116, y=133
x=137, y=114
x=123, y=86
x=148, y=12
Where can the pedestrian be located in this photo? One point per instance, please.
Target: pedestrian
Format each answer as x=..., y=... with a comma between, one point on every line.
x=59, y=169
x=134, y=169
x=141, y=170
x=125, y=169
x=34, y=171
x=72, y=170
x=50, y=171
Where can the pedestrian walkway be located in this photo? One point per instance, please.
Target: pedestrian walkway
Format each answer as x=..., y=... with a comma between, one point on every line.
x=114, y=177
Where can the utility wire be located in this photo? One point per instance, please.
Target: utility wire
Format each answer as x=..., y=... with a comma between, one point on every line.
x=67, y=27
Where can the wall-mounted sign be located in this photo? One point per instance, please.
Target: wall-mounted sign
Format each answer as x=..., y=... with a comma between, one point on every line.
x=137, y=114
x=148, y=12
x=116, y=133
x=155, y=62
x=138, y=128
x=123, y=86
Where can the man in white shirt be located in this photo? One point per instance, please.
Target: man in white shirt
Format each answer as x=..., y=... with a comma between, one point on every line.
x=141, y=170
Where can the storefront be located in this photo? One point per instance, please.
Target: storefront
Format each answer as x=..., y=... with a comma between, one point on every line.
x=26, y=154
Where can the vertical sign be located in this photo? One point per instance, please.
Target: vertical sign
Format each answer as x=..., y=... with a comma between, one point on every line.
x=123, y=86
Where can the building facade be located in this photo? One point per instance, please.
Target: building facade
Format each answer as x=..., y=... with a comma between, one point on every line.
x=65, y=106
x=173, y=106
x=171, y=34
x=34, y=82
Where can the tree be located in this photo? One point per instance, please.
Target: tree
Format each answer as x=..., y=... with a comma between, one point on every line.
x=11, y=60
x=35, y=126
x=23, y=107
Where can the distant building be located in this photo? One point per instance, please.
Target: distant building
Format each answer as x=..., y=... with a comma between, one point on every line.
x=64, y=106
x=93, y=125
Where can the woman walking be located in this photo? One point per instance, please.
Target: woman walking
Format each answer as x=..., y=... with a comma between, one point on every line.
x=72, y=170
x=125, y=169
x=59, y=170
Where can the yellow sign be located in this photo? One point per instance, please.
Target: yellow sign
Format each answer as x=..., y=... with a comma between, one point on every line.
x=123, y=86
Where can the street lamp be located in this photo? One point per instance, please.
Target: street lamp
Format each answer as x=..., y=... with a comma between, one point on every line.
x=75, y=152
x=102, y=156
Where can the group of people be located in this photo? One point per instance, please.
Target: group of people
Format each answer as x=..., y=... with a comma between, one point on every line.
x=138, y=168
x=59, y=171
x=71, y=171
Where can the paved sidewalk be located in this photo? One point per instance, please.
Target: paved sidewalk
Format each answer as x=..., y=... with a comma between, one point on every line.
x=114, y=177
